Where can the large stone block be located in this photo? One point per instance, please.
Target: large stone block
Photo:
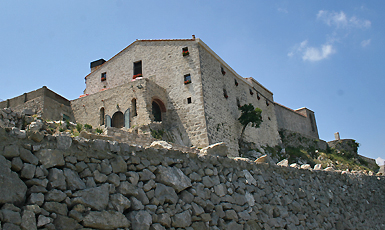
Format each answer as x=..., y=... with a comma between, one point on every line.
x=105, y=220
x=173, y=177
x=50, y=157
x=12, y=189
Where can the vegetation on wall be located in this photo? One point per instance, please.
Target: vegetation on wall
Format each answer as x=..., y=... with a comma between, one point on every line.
x=250, y=115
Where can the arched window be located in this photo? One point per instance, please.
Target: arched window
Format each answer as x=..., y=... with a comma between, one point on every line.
x=102, y=116
x=156, y=111
x=133, y=107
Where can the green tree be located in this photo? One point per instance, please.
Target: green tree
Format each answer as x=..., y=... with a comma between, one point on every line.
x=250, y=115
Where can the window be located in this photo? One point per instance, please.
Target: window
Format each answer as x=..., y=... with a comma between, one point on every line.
x=267, y=102
x=133, y=107
x=225, y=93
x=238, y=103
x=258, y=97
x=187, y=79
x=223, y=71
x=189, y=100
x=235, y=82
x=185, y=51
x=102, y=116
x=103, y=76
x=137, y=69
x=251, y=91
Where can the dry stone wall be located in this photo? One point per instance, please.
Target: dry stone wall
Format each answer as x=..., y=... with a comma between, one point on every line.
x=60, y=182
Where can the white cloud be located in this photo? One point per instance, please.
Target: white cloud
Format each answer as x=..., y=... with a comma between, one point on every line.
x=340, y=20
x=365, y=43
x=309, y=53
x=380, y=161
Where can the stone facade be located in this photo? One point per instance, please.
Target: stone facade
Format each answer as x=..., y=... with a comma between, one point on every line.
x=299, y=121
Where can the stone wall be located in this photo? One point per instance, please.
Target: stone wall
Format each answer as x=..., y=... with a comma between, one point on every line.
x=43, y=101
x=59, y=182
x=300, y=121
x=222, y=112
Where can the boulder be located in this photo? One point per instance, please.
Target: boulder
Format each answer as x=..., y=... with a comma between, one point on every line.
x=105, y=220
x=63, y=141
x=165, y=194
x=141, y=220
x=28, y=220
x=57, y=179
x=95, y=198
x=217, y=149
x=284, y=163
x=161, y=145
x=119, y=202
x=12, y=189
x=73, y=180
x=118, y=164
x=318, y=167
x=50, y=158
x=173, y=177
x=264, y=159
x=182, y=220
x=66, y=223
x=249, y=178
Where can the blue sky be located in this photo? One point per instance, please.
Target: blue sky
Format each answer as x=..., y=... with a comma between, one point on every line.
x=323, y=55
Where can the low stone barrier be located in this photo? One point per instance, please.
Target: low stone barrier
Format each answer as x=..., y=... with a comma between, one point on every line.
x=59, y=182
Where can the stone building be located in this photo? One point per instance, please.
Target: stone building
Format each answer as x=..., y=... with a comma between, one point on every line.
x=187, y=88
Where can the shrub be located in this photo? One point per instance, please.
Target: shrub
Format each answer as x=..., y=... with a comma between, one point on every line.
x=79, y=127
x=87, y=126
x=99, y=131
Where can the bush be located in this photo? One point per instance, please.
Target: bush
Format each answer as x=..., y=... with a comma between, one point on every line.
x=87, y=126
x=99, y=131
x=79, y=127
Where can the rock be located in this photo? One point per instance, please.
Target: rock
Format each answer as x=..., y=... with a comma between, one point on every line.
x=12, y=189
x=28, y=171
x=118, y=164
x=217, y=149
x=11, y=151
x=28, y=220
x=141, y=220
x=9, y=226
x=35, y=136
x=196, y=209
x=35, y=126
x=127, y=189
x=181, y=220
x=55, y=195
x=318, y=167
x=231, y=215
x=146, y=175
x=295, y=165
x=9, y=216
x=56, y=179
x=56, y=207
x=36, y=198
x=305, y=166
x=173, y=177
x=264, y=159
x=330, y=169
x=284, y=163
x=95, y=198
x=27, y=156
x=250, y=199
x=114, y=179
x=161, y=145
x=66, y=223
x=249, y=178
x=17, y=164
x=220, y=190
x=63, y=141
x=50, y=158
x=136, y=204
x=105, y=220
x=157, y=227
x=165, y=194
x=119, y=202
x=73, y=180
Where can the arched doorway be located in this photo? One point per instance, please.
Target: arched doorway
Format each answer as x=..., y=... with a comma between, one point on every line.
x=117, y=120
x=156, y=111
x=102, y=116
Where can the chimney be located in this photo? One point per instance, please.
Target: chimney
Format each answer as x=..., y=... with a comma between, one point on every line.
x=193, y=37
x=96, y=63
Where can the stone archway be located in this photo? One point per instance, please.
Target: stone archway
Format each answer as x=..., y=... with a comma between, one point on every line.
x=117, y=120
x=156, y=111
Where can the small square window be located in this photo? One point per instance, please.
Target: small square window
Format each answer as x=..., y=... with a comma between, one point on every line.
x=103, y=76
x=187, y=79
x=185, y=51
x=225, y=93
x=235, y=82
x=223, y=71
x=189, y=100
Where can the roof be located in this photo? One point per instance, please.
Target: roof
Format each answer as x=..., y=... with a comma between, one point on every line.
x=294, y=111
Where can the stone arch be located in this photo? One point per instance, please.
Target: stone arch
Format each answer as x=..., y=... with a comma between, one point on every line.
x=157, y=109
x=117, y=120
x=133, y=107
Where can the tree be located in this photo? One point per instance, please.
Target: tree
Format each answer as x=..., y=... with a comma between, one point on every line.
x=250, y=115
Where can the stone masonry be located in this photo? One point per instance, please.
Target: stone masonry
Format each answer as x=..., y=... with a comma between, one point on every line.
x=60, y=182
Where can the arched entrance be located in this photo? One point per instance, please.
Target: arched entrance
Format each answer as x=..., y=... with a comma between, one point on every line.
x=117, y=120
x=156, y=111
